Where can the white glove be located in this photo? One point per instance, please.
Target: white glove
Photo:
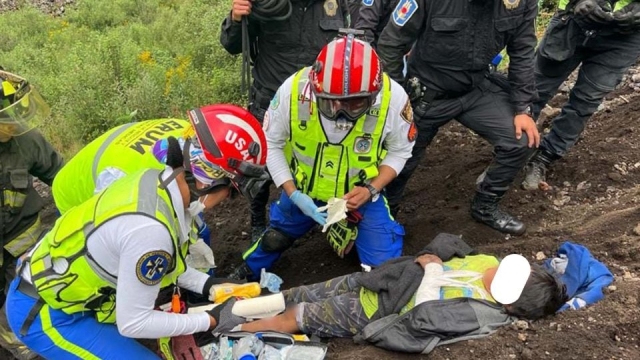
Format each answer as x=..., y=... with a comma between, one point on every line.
x=200, y=256
x=336, y=210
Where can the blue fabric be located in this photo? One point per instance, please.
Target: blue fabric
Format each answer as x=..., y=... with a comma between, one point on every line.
x=584, y=276
x=83, y=330
x=379, y=239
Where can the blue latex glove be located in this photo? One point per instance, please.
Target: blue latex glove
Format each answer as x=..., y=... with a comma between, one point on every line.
x=308, y=207
x=270, y=281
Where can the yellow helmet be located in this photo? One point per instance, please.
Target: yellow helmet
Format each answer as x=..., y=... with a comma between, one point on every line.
x=21, y=106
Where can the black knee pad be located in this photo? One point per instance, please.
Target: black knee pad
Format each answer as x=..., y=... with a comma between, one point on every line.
x=274, y=241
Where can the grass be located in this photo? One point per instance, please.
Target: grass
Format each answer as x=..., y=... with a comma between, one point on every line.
x=109, y=62
x=105, y=63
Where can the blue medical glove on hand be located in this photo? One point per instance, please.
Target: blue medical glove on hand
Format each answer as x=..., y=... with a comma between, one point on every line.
x=308, y=207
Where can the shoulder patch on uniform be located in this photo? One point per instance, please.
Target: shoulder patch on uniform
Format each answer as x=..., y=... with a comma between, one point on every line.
x=511, y=4
x=407, y=112
x=367, y=2
x=404, y=11
x=265, y=121
x=330, y=7
x=275, y=101
x=152, y=266
x=412, y=134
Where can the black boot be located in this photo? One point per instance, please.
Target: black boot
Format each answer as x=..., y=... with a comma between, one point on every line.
x=536, y=169
x=484, y=209
x=256, y=232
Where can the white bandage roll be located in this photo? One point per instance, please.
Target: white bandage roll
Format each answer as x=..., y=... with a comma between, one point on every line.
x=256, y=308
x=260, y=307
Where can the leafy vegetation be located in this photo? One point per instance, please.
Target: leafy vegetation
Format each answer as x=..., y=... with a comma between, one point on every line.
x=105, y=63
x=109, y=62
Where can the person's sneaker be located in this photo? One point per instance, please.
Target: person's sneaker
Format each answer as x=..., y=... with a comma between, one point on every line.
x=484, y=209
x=536, y=169
x=535, y=173
x=242, y=272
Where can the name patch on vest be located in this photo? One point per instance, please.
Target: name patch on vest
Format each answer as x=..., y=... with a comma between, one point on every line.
x=152, y=266
x=404, y=11
x=374, y=112
x=362, y=145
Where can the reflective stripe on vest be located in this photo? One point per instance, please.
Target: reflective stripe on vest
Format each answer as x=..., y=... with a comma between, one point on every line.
x=126, y=148
x=562, y=4
x=324, y=170
x=85, y=286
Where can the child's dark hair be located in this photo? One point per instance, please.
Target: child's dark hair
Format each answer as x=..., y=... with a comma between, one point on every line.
x=543, y=295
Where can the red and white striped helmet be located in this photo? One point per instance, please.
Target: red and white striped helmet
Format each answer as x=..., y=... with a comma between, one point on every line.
x=346, y=68
x=230, y=138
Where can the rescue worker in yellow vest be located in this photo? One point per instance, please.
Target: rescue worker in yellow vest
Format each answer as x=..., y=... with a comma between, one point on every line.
x=118, y=152
x=602, y=37
x=123, y=150
x=338, y=129
x=89, y=287
x=24, y=153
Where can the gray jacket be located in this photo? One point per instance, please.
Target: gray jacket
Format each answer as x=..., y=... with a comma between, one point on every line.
x=434, y=323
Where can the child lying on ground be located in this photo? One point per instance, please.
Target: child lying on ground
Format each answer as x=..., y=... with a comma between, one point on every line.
x=412, y=304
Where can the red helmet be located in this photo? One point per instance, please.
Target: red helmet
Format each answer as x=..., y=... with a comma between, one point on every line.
x=347, y=70
x=231, y=138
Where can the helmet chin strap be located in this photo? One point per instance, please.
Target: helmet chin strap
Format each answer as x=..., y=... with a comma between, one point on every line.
x=177, y=171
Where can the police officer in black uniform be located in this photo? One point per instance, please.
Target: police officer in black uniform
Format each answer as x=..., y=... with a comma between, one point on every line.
x=449, y=78
x=603, y=38
x=279, y=49
x=373, y=17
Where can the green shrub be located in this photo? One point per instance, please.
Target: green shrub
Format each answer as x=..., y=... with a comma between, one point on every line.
x=106, y=63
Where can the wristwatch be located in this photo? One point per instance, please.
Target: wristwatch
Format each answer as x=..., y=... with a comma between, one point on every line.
x=525, y=111
x=373, y=191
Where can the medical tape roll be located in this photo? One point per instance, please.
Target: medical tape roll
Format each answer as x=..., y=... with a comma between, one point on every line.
x=256, y=308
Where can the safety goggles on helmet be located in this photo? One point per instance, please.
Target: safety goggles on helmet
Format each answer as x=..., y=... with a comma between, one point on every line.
x=350, y=108
x=196, y=167
x=346, y=79
x=21, y=106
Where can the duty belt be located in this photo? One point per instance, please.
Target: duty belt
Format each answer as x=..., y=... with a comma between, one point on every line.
x=425, y=95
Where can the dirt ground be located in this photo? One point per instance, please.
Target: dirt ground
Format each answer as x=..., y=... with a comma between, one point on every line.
x=595, y=201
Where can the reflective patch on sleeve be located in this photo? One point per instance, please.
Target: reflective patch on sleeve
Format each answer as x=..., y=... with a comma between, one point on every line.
x=152, y=266
x=404, y=11
x=367, y=2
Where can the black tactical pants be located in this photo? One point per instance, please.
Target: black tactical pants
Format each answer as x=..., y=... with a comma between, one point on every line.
x=258, y=108
x=604, y=61
x=487, y=111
